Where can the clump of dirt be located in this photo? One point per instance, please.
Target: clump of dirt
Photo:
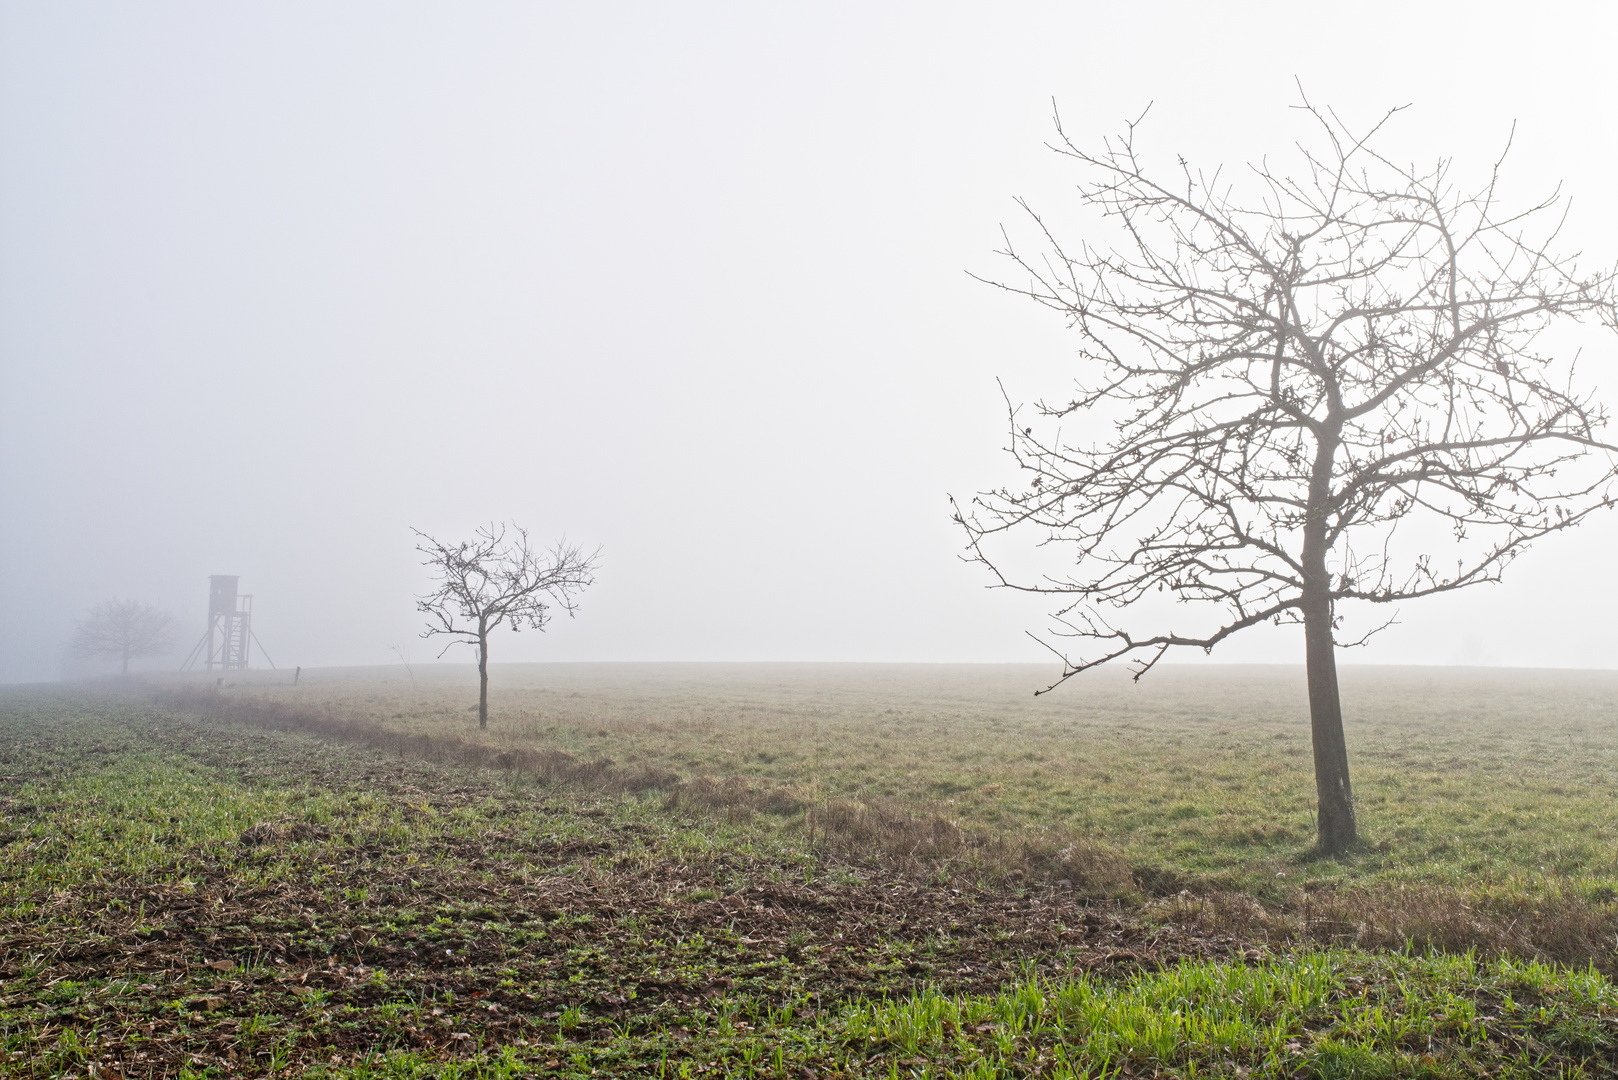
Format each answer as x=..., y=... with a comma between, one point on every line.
x=269, y=832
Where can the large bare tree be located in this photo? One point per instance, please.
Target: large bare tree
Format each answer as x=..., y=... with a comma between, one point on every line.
x=125, y=630
x=1297, y=389
x=498, y=578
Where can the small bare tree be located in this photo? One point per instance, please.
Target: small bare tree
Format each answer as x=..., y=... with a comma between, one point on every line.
x=125, y=629
x=1294, y=399
x=490, y=581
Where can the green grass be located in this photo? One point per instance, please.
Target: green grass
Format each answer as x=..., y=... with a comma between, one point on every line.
x=1464, y=778
x=1326, y=1014
x=191, y=897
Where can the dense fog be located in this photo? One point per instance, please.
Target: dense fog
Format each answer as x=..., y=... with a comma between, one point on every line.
x=279, y=282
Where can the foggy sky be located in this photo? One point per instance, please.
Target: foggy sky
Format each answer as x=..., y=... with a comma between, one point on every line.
x=279, y=281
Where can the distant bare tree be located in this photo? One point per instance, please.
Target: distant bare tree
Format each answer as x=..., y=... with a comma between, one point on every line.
x=1294, y=399
x=126, y=629
x=490, y=581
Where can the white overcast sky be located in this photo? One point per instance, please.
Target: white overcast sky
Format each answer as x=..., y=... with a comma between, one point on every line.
x=280, y=280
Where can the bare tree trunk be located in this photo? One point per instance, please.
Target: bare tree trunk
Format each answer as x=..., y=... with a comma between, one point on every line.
x=1336, y=829
x=126, y=659
x=483, y=681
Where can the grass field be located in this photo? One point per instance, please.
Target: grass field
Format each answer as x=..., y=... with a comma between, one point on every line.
x=1462, y=775
x=805, y=871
